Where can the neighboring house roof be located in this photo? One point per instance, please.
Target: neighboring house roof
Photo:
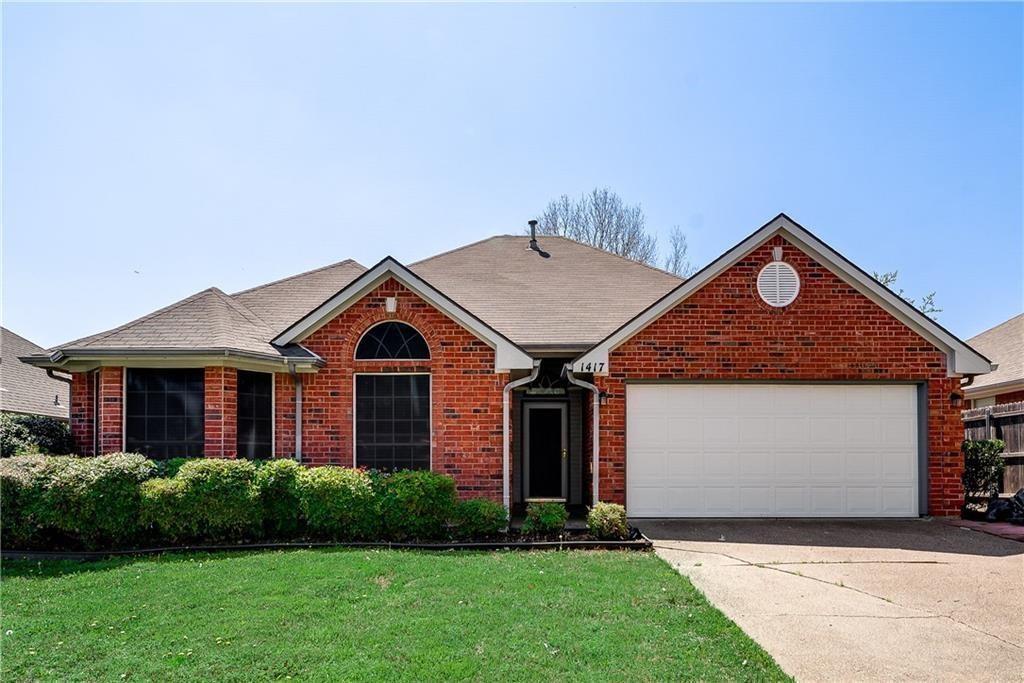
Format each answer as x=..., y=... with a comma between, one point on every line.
x=961, y=358
x=507, y=355
x=1004, y=344
x=26, y=389
x=573, y=298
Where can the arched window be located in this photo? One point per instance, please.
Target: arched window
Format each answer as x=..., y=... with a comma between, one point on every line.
x=392, y=341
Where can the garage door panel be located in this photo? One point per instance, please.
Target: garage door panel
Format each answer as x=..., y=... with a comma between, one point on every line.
x=791, y=501
x=771, y=450
x=683, y=430
x=827, y=501
x=720, y=500
x=756, y=500
x=686, y=463
x=899, y=500
x=757, y=463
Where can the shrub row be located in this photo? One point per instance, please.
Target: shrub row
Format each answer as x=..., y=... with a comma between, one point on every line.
x=118, y=500
x=121, y=499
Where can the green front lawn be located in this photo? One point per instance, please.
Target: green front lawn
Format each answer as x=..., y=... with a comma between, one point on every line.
x=368, y=615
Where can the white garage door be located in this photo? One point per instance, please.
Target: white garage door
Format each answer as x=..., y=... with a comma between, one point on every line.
x=771, y=450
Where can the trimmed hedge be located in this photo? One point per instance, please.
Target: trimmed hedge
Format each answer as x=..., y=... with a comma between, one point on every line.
x=479, y=518
x=416, y=505
x=92, y=500
x=123, y=500
x=208, y=499
x=338, y=503
x=277, y=482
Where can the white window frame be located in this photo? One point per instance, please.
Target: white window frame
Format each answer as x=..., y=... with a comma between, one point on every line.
x=359, y=341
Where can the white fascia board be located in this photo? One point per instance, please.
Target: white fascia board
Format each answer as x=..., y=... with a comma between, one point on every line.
x=507, y=356
x=961, y=358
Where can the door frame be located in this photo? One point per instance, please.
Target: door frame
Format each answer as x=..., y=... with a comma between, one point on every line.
x=562, y=406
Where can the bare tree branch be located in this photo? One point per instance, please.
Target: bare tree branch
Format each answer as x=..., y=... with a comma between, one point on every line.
x=927, y=305
x=677, y=260
x=601, y=219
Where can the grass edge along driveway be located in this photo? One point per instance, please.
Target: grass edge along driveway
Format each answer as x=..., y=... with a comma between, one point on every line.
x=368, y=615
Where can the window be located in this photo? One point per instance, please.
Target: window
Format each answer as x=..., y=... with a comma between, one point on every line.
x=984, y=402
x=255, y=415
x=393, y=422
x=392, y=340
x=164, y=413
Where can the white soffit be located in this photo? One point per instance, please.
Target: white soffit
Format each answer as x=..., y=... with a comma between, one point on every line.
x=961, y=358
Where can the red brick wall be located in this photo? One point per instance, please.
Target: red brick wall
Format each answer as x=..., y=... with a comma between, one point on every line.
x=82, y=412
x=465, y=392
x=1011, y=397
x=111, y=409
x=831, y=332
x=221, y=407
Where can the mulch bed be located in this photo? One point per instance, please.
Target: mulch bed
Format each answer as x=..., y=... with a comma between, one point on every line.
x=514, y=541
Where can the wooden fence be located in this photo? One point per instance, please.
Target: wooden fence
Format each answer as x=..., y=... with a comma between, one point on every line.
x=1006, y=422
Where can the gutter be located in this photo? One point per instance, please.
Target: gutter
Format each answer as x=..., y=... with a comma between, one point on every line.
x=506, y=438
x=61, y=356
x=59, y=378
x=595, y=439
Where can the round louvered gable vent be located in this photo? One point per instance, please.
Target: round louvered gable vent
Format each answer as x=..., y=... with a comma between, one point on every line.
x=778, y=284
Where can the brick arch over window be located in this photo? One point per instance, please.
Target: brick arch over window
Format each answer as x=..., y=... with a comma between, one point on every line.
x=465, y=391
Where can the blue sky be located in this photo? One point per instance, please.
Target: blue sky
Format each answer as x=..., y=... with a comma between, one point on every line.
x=151, y=151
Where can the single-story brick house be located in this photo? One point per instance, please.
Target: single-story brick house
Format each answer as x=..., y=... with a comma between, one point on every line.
x=1004, y=344
x=780, y=380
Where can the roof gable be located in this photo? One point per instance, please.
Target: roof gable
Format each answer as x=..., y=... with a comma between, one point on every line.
x=961, y=358
x=508, y=356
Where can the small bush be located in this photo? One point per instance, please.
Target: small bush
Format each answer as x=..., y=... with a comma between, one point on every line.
x=32, y=434
x=338, y=503
x=983, y=467
x=607, y=521
x=545, y=518
x=277, y=482
x=416, y=504
x=479, y=518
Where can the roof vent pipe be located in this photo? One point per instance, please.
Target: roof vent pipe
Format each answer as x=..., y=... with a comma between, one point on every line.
x=533, y=240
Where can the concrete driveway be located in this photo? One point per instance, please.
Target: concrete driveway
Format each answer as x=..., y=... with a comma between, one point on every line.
x=861, y=600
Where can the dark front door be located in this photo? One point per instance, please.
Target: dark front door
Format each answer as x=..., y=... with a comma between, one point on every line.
x=546, y=450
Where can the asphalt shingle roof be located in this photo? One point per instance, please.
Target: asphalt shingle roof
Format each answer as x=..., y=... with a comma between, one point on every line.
x=578, y=296
x=1003, y=344
x=282, y=302
x=24, y=388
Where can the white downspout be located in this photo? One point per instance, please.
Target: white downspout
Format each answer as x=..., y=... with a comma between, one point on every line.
x=506, y=438
x=595, y=439
x=297, y=378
